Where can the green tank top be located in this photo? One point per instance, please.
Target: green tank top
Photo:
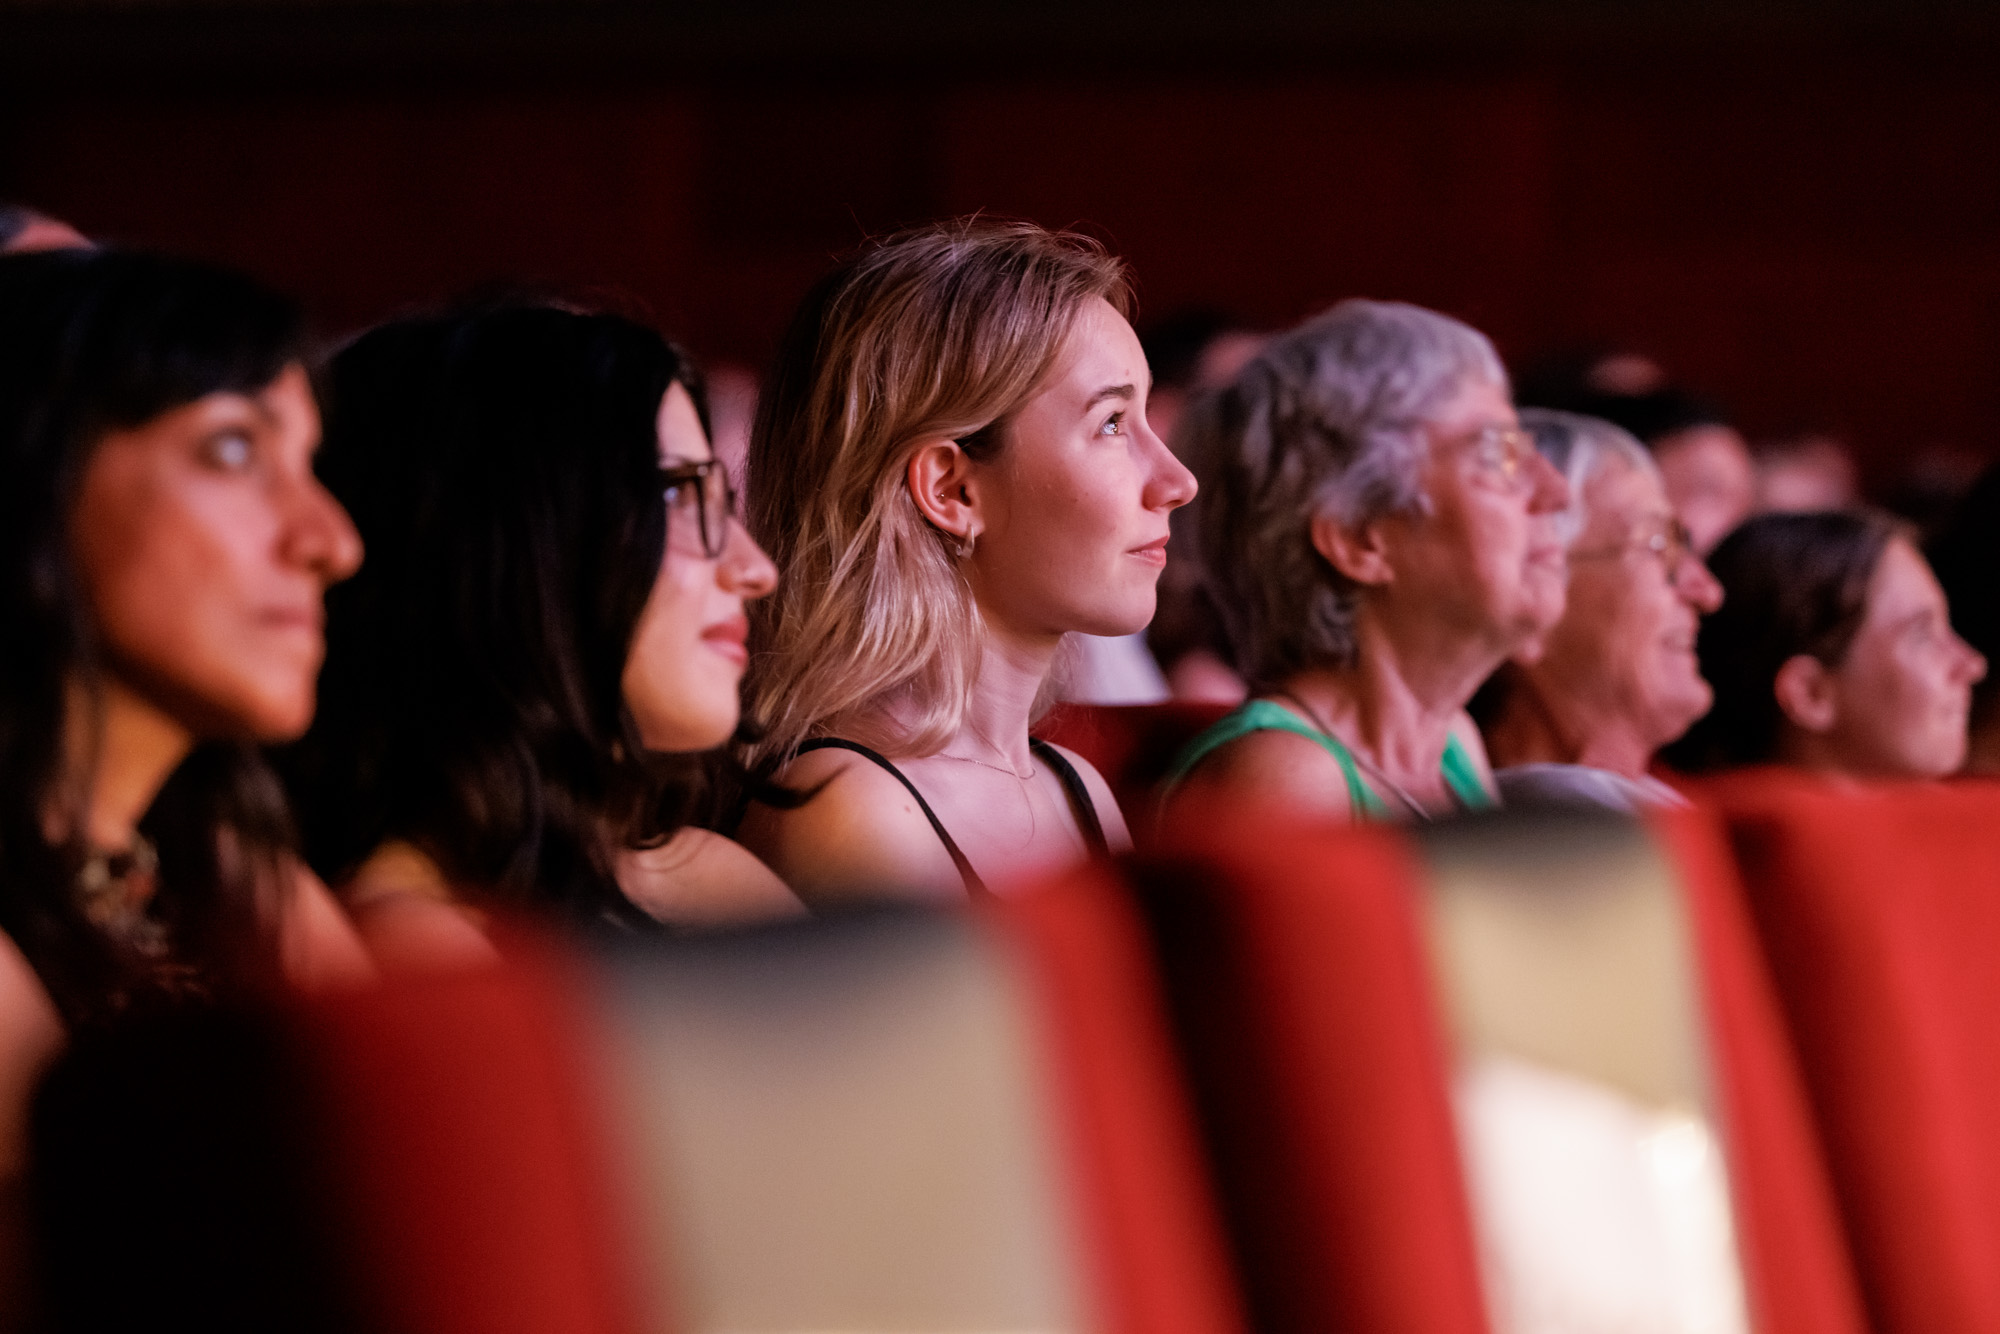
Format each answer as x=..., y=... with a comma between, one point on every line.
x=1264, y=715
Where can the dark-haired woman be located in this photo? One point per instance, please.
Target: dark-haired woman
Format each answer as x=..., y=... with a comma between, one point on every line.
x=549, y=629
x=1833, y=651
x=164, y=551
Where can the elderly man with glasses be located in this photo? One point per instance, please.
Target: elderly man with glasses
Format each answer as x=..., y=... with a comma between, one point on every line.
x=1578, y=717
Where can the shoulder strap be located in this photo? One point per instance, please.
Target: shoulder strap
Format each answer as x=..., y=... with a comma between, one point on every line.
x=1463, y=779
x=1079, y=795
x=1267, y=715
x=974, y=886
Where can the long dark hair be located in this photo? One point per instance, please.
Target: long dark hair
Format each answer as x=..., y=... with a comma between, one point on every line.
x=502, y=464
x=90, y=342
x=1792, y=584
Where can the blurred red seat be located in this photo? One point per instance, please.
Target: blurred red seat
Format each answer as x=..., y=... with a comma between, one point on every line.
x=1304, y=996
x=884, y=1121
x=1132, y=745
x=1880, y=914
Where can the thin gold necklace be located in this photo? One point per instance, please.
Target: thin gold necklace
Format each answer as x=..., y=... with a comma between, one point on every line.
x=996, y=768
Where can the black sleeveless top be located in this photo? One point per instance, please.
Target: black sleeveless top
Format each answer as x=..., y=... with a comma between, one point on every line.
x=1073, y=788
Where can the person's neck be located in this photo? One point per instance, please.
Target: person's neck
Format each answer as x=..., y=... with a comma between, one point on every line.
x=1539, y=724
x=1399, y=700
x=118, y=750
x=1012, y=670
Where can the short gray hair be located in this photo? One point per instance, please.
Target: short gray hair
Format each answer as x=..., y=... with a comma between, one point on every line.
x=1323, y=421
x=1578, y=447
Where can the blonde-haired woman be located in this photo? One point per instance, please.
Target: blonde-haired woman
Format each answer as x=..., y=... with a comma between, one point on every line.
x=953, y=468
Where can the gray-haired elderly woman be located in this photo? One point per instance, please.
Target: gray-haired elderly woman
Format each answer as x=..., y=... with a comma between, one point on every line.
x=1378, y=534
x=1617, y=678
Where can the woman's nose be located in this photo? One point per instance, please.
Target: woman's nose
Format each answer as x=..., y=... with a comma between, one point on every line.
x=744, y=569
x=1171, y=484
x=318, y=535
x=1697, y=587
x=1549, y=492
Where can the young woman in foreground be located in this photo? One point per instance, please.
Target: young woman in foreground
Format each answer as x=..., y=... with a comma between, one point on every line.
x=549, y=628
x=164, y=549
x=952, y=466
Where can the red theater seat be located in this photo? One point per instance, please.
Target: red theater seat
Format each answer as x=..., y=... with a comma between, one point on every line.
x=1303, y=993
x=1880, y=914
x=1303, y=999
x=493, y=1151
x=1132, y=745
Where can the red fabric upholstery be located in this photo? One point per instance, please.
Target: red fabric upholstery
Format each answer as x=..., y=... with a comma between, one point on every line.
x=468, y=1154
x=1132, y=745
x=1880, y=914
x=1155, y=1244
x=1303, y=997
x=1797, y=1270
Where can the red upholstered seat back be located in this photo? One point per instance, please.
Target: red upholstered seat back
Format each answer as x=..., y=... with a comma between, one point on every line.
x=1132, y=745
x=1880, y=914
x=1303, y=997
x=1798, y=1271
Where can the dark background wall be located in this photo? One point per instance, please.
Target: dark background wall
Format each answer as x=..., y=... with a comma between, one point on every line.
x=1796, y=209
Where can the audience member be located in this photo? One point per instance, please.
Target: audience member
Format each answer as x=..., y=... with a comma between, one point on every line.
x=953, y=467
x=514, y=681
x=1802, y=473
x=164, y=548
x=1967, y=559
x=1579, y=720
x=24, y=231
x=1379, y=534
x=1833, y=651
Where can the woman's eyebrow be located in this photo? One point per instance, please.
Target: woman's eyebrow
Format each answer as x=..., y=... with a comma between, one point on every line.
x=1110, y=391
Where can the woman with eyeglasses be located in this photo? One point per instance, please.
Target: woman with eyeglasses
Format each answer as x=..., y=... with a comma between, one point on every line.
x=547, y=635
x=1378, y=534
x=1833, y=651
x=953, y=466
x=1578, y=720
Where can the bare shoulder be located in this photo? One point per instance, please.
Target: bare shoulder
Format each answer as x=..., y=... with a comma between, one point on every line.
x=318, y=943
x=701, y=878
x=859, y=835
x=1270, y=766
x=405, y=913
x=31, y=1032
x=1108, y=813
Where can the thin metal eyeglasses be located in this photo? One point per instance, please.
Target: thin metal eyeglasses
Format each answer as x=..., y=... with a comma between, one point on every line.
x=714, y=500
x=1504, y=452
x=1672, y=544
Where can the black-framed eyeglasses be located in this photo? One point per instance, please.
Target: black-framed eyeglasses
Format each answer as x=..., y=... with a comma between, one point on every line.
x=701, y=488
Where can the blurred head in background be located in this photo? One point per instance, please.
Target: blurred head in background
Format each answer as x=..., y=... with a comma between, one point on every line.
x=1833, y=651
x=1617, y=678
x=23, y=231
x=1704, y=462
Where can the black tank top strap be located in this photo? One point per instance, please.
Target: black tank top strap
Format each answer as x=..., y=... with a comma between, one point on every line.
x=1079, y=796
x=974, y=886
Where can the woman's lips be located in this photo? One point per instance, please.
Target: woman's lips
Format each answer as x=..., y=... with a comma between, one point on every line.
x=728, y=638
x=1153, y=553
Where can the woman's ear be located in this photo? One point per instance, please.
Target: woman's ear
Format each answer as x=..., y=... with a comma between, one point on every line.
x=1360, y=554
x=939, y=478
x=1804, y=688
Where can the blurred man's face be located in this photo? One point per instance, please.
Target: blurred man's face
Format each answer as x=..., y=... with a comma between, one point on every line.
x=1711, y=482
